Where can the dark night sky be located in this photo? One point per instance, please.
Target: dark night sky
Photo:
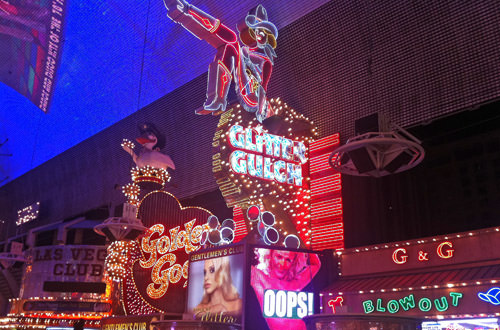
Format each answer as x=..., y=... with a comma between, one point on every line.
x=456, y=188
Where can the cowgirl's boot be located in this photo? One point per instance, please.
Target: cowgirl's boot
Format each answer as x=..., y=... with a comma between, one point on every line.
x=219, y=80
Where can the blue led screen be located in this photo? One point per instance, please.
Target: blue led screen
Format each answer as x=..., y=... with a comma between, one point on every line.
x=116, y=58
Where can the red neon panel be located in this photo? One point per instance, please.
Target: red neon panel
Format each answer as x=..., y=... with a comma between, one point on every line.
x=319, y=163
x=326, y=237
x=334, y=228
x=332, y=242
x=326, y=209
x=338, y=244
x=325, y=142
x=327, y=229
x=240, y=229
x=331, y=183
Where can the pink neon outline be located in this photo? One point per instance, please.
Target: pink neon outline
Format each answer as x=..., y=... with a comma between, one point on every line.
x=204, y=21
x=244, y=95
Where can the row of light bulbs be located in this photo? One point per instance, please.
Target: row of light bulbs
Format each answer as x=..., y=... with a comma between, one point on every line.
x=299, y=208
x=421, y=241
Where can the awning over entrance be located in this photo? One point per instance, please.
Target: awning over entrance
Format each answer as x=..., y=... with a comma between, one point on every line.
x=85, y=224
x=455, y=277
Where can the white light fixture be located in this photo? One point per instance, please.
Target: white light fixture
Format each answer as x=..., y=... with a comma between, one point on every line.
x=378, y=154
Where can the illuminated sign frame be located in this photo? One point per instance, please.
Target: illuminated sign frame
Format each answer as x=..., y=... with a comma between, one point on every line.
x=267, y=156
x=157, y=263
x=408, y=302
x=242, y=145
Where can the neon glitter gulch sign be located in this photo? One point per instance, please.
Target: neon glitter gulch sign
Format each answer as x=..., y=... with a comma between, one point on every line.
x=266, y=165
x=266, y=156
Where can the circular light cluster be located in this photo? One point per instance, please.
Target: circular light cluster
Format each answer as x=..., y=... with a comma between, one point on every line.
x=116, y=260
x=148, y=174
x=28, y=214
x=265, y=225
x=127, y=144
x=218, y=233
x=132, y=191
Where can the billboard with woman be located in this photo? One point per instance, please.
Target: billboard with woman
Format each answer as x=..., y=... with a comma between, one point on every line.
x=215, y=285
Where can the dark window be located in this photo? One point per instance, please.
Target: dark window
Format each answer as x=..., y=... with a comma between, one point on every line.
x=71, y=237
x=45, y=238
x=90, y=237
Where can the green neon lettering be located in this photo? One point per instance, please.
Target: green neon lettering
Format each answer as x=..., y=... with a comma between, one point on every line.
x=407, y=302
x=393, y=306
x=425, y=304
x=368, y=306
x=379, y=306
x=441, y=307
x=455, y=296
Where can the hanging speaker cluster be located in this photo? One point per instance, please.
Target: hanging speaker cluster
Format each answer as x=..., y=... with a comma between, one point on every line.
x=124, y=228
x=218, y=233
x=265, y=226
x=377, y=153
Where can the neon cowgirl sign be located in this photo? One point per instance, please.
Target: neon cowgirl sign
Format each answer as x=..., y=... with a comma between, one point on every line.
x=246, y=58
x=280, y=158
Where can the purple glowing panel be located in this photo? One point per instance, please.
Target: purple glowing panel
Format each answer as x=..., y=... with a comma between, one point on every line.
x=116, y=57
